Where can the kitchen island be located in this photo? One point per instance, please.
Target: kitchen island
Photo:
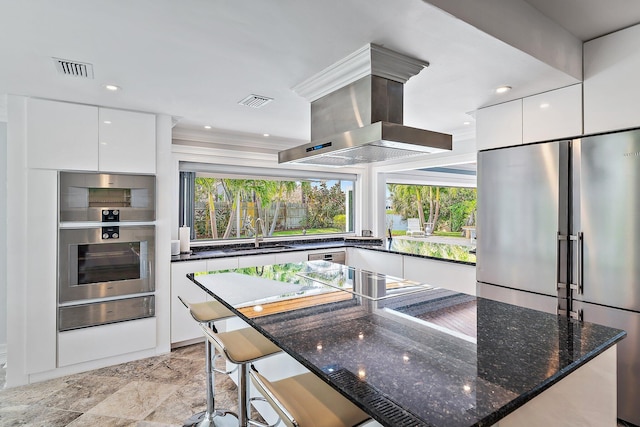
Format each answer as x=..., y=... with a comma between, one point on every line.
x=413, y=354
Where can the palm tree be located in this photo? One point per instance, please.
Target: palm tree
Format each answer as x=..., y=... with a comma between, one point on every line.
x=210, y=186
x=283, y=188
x=234, y=189
x=408, y=200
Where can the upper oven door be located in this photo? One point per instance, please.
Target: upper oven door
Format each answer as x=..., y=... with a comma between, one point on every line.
x=105, y=261
x=97, y=196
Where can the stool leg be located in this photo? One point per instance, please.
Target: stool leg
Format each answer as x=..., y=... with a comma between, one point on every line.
x=211, y=417
x=243, y=395
x=210, y=381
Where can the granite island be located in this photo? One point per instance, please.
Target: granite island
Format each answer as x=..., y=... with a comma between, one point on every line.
x=413, y=354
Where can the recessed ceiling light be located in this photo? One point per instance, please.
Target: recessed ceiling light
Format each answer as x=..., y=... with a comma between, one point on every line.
x=544, y=105
x=503, y=89
x=112, y=88
x=265, y=134
x=107, y=122
x=466, y=123
x=207, y=127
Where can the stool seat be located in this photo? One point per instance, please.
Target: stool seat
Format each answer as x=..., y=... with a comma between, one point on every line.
x=208, y=311
x=307, y=401
x=242, y=345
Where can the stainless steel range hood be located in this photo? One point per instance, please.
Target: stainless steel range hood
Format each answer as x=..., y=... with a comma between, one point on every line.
x=361, y=122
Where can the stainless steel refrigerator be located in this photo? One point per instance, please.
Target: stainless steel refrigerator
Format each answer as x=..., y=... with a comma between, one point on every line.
x=559, y=230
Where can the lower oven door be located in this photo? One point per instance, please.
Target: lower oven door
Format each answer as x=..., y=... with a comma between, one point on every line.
x=102, y=313
x=105, y=261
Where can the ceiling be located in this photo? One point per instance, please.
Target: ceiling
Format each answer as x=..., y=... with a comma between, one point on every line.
x=196, y=59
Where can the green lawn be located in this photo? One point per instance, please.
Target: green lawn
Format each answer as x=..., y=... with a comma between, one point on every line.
x=435, y=233
x=309, y=231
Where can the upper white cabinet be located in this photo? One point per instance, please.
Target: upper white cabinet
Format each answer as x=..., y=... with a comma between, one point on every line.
x=552, y=115
x=66, y=136
x=127, y=141
x=611, y=89
x=59, y=135
x=499, y=125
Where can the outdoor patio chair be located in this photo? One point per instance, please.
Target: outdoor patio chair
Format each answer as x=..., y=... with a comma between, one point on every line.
x=414, y=228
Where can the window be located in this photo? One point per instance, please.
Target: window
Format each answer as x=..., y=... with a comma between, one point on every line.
x=225, y=205
x=445, y=211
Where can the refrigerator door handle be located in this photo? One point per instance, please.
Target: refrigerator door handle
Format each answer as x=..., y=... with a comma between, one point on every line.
x=578, y=238
x=580, y=261
x=561, y=238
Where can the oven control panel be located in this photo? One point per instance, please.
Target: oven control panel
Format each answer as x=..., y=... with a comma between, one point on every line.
x=110, y=215
x=110, y=233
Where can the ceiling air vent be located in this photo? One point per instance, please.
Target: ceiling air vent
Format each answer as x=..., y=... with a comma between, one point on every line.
x=74, y=68
x=255, y=101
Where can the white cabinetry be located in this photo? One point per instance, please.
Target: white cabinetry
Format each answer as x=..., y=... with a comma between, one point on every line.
x=40, y=286
x=61, y=135
x=449, y=275
x=256, y=260
x=183, y=327
x=286, y=257
x=378, y=262
x=611, y=89
x=552, y=115
x=127, y=141
x=66, y=136
x=499, y=125
x=99, y=342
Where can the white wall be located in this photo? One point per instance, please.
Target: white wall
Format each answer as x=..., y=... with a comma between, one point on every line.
x=3, y=241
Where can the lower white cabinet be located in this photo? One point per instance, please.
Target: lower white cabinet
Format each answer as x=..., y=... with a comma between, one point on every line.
x=99, y=342
x=450, y=275
x=378, y=262
x=256, y=260
x=287, y=257
x=183, y=327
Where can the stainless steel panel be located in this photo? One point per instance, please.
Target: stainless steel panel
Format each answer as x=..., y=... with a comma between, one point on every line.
x=375, y=142
x=337, y=257
x=101, y=313
x=68, y=287
x=74, y=196
x=607, y=203
x=530, y=300
x=520, y=200
x=628, y=354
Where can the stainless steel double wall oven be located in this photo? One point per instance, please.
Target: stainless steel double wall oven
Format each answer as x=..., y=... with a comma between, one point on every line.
x=106, y=249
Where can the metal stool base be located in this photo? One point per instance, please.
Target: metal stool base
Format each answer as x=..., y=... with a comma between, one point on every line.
x=219, y=419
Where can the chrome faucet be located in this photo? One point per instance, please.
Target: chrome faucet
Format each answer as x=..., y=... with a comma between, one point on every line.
x=259, y=225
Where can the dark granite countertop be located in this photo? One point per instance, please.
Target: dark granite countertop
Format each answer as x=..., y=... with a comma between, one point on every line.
x=436, y=251
x=246, y=249
x=409, y=354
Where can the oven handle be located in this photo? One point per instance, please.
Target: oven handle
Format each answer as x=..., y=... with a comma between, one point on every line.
x=150, y=272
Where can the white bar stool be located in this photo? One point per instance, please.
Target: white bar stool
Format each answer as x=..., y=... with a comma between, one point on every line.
x=307, y=401
x=206, y=313
x=241, y=347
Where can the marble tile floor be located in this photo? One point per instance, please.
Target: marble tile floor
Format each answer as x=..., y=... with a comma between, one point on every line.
x=161, y=391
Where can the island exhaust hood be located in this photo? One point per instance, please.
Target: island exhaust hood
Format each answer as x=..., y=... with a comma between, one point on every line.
x=361, y=121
